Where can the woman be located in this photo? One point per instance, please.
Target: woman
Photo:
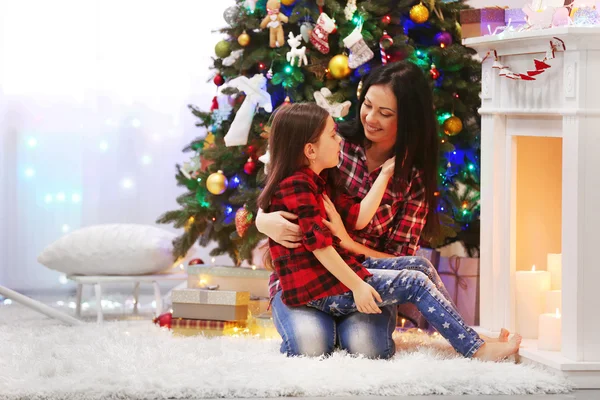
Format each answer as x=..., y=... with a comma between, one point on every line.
x=396, y=117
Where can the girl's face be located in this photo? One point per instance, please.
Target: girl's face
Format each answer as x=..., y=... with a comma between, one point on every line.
x=379, y=115
x=327, y=149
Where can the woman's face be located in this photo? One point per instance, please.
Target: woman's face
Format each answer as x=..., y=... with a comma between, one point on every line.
x=379, y=115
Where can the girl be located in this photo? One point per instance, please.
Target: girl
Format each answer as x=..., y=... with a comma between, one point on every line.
x=321, y=274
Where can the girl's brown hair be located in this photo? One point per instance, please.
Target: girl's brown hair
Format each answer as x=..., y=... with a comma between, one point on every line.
x=294, y=126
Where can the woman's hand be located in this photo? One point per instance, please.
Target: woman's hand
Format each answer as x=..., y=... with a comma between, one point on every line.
x=388, y=167
x=276, y=225
x=335, y=223
x=364, y=298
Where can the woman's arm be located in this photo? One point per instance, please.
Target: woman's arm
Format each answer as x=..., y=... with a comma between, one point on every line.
x=369, y=205
x=276, y=225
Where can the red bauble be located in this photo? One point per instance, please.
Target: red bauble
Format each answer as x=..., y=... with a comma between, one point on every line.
x=386, y=20
x=196, y=261
x=164, y=320
x=219, y=80
x=250, y=167
x=251, y=150
x=434, y=72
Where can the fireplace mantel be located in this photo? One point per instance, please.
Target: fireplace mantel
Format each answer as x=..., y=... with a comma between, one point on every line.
x=564, y=103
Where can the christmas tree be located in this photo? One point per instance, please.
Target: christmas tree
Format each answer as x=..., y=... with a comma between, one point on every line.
x=304, y=51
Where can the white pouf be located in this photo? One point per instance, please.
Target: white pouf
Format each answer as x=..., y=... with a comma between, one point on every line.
x=114, y=249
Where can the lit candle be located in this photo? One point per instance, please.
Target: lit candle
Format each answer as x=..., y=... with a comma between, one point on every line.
x=530, y=298
x=553, y=300
x=550, y=332
x=555, y=269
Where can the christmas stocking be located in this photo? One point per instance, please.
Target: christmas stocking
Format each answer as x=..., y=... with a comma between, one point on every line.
x=320, y=35
x=360, y=53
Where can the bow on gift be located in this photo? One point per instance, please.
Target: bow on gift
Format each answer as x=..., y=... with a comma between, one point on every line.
x=256, y=96
x=459, y=280
x=540, y=66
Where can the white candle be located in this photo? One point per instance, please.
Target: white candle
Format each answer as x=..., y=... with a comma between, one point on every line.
x=550, y=332
x=555, y=269
x=553, y=301
x=530, y=298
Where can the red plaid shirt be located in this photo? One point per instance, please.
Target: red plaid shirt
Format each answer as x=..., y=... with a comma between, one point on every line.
x=396, y=227
x=302, y=277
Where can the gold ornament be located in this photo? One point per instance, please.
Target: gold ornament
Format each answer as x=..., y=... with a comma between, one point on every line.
x=210, y=138
x=338, y=67
x=453, y=126
x=217, y=183
x=243, y=220
x=288, y=2
x=419, y=14
x=359, y=89
x=244, y=39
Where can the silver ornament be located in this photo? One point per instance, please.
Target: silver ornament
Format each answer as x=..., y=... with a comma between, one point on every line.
x=230, y=15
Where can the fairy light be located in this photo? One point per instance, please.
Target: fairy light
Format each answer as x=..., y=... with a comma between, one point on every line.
x=32, y=142
x=29, y=172
x=103, y=145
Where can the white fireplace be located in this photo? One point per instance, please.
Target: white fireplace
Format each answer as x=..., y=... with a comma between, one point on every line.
x=540, y=187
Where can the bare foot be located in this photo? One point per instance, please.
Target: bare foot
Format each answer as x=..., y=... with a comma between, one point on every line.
x=497, y=351
x=502, y=338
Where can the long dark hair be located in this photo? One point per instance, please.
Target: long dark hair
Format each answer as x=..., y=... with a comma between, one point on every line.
x=294, y=125
x=417, y=139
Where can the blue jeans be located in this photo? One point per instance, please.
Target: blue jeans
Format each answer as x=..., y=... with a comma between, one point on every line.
x=310, y=332
x=397, y=287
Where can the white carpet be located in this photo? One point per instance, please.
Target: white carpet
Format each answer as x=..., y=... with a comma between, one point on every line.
x=136, y=360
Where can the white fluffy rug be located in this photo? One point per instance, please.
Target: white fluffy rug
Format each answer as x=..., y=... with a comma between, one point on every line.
x=40, y=359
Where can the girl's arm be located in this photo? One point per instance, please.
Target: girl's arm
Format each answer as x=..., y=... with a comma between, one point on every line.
x=336, y=226
x=369, y=205
x=364, y=294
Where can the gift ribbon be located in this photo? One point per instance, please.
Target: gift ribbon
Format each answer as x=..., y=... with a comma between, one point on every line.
x=540, y=66
x=459, y=280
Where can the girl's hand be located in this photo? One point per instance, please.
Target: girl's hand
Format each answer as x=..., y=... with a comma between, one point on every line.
x=335, y=223
x=388, y=167
x=277, y=227
x=364, y=297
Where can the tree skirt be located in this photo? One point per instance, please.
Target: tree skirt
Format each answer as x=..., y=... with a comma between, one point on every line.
x=137, y=360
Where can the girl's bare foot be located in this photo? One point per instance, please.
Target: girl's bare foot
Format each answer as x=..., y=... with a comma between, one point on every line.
x=502, y=338
x=497, y=351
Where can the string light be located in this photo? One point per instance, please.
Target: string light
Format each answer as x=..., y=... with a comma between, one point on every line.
x=103, y=145
x=136, y=123
x=75, y=198
x=30, y=172
x=60, y=197
x=32, y=142
x=127, y=183
x=288, y=69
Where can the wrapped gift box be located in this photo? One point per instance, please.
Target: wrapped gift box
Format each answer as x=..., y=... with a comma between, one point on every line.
x=194, y=327
x=220, y=305
x=210, y=312
x=516, y=16
x=216, y=297
x=475, y=22
x=460, y=275
x=230, y=278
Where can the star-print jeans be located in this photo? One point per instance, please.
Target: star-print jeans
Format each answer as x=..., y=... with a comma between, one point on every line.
x=407, y=285
x=307, y=331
